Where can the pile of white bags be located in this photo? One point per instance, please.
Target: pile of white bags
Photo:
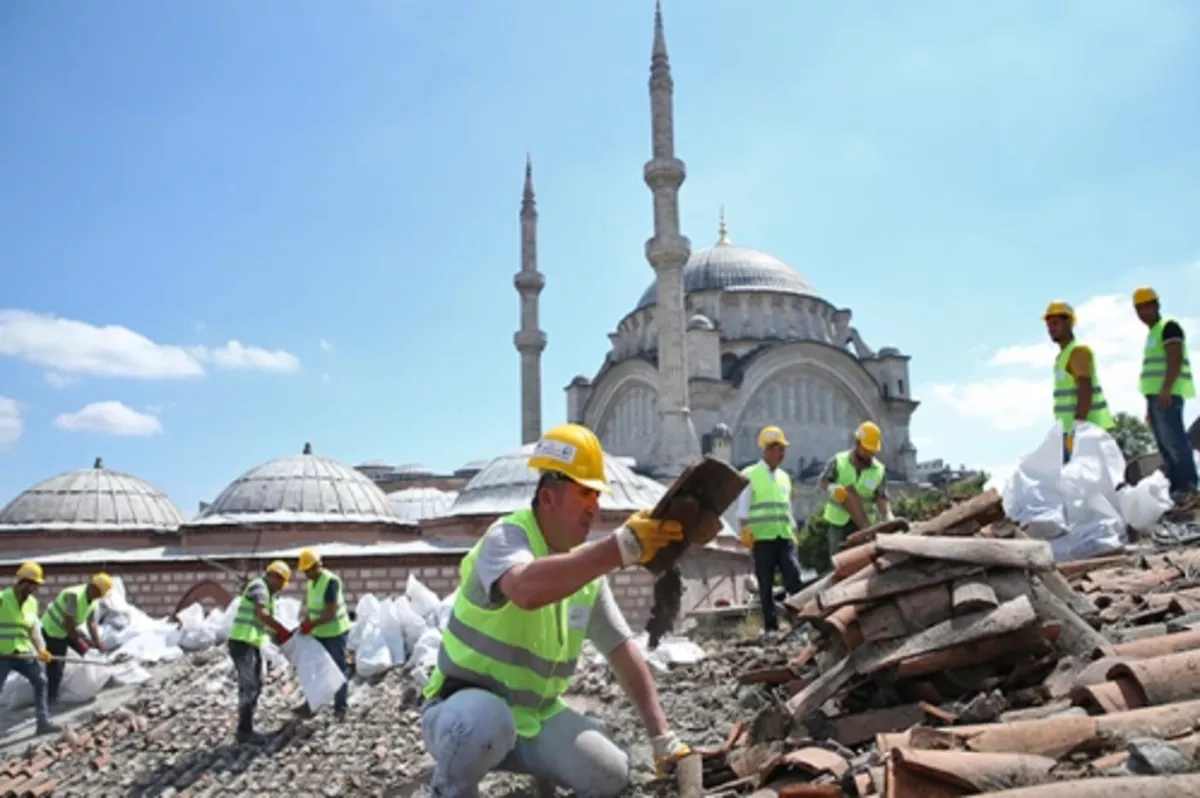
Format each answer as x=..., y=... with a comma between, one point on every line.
x=399, y=631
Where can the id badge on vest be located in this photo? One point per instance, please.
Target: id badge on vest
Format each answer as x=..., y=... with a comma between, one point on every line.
x=578, y=617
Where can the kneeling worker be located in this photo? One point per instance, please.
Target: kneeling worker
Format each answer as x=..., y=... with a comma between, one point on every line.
x=326, y=618
x=20, y=638
x=530, y=592
x=63, y=622
x=255, y=615
x=853, y=479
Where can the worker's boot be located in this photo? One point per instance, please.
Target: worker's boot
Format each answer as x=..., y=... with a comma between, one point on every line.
x=250, y=737
x=48, y=727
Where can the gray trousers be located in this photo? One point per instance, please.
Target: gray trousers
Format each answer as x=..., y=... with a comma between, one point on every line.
x=472, y=733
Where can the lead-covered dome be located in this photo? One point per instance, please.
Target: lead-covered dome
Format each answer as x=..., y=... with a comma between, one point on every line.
x=91, y=500
x=727, y=267
x=303, y=488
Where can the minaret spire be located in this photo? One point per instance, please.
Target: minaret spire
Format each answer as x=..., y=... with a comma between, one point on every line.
x=676, y=444
x=529, y=340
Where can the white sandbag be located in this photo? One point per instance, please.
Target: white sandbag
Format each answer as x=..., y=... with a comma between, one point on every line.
x=287, y=611
x=17, y=692
x=1089, y=487
x=195, y=634
x=220, y=621
x=366, y=615
x=1032, y=496
x=130, y=673
x=447, y=607
x=320, y=677
x=153, y=646
x=1144, y=503
x=371, y=653
x=424, y=656
x=81, y=682
x=395, y=617
x=414, y=626
x=424, y=602
x=672, y=650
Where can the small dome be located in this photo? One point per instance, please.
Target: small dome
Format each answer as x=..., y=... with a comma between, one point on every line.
x=412, y=470
x=701, y=322
x=889, y=351
x=722, y=431
x=471, y=468
x=302, y=488
x=414, y=505
x=507, y=483
x=91, y=500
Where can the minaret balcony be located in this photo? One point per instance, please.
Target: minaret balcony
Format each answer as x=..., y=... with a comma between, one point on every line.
x=667, y=251
x=529, y=282
x=664, y=173
x=530, y=341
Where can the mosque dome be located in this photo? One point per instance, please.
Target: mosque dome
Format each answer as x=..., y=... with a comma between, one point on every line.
x=414, y=505
x=303, y=488
x=727, y=267
x=506, y=483
x=91, y=500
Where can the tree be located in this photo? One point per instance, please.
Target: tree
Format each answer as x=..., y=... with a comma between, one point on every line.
x=1132, y=435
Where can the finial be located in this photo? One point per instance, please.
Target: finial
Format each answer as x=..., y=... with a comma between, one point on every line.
x=660, y=38
x=98, y=464
x=307, y=448
x=723, y=231
x=528, y=203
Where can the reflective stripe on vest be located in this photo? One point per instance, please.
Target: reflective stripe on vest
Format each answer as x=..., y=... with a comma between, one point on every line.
x=54, y=621
x=16, y=623
x=1154, y=366
x=246, y=625
x=1066, y=393
x=770, y=516
x=316, y=605
x=865, y=484
x=527, y=657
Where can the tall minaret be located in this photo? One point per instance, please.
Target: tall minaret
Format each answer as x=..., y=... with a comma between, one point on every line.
x=530, y=341
x=676, y=444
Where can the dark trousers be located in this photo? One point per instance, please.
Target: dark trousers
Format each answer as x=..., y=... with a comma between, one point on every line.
x=1167, y=425
x=336, y=646
x=248, y=664
x=769, y=556
x=31, y=669
x=54, y=668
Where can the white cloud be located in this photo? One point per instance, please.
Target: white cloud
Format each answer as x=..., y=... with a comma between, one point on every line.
x=326, y=346
x=109, y=418
x=56, y=380
x=69, y=348
x=11, y=424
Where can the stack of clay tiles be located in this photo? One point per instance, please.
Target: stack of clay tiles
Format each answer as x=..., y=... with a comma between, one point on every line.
x=953, y=658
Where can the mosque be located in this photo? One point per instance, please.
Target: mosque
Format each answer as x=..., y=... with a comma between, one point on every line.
x=725, y=340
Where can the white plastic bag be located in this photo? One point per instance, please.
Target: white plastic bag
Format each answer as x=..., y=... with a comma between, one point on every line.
x=424, y=656
x=1032, y=496
x=424, y=602
x=81, y=682
x=195, y=634
x=1144, y=503
x=320, y=677
x=1089, y=486
x=371, y=653
x=393, y=625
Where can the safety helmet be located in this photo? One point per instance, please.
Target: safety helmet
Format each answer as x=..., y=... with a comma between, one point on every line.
x=574, y=451
x=1059, y=308
x=308, y=559
x=869, y=436
x=103, y=583
x=32, y=572
x=1144, y=294
x=280, y=569
x=769, y=435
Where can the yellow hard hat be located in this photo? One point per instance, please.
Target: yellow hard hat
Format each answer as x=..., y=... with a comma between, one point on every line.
x=769, y=435
x=32, y=572
x=1144, y=294
x=280, y=569
x=308, y=559
x=574, y=451
x=1059, y=308
x=103, y=583
x=869, y=436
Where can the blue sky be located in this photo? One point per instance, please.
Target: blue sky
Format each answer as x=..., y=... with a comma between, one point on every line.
x=336, y=188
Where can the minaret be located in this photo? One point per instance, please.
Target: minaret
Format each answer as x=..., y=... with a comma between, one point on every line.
x=676, y=444
x=529, y=340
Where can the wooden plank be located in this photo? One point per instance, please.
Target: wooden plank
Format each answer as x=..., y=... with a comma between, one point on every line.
x=972, y=594
x=985, y=508
x=1077, y=637
x=1034, y=555
x=903, y=578
x=860, y=536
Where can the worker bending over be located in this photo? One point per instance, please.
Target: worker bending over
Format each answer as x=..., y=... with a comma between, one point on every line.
x=1166, y=382
x=530, y=592
x=20, y=639
x=1077, y=392
x=764, y=512
x=63, y=624
x=326, y=618
x=255, y=615
x=854, y=479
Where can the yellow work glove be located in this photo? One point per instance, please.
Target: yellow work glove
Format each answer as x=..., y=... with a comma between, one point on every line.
x=747, y=538
x=44, y=656
x=641, y=537
x=1070, y=442
x=838, y=492
x=668, y=750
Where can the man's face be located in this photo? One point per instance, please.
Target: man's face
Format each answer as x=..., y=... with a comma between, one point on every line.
x=569, y=508
x=773, y=454
x=1148, y=313
x=274, y=582
x=1059, y=328
x=28, y=586
x=863, y=455
x=312, y=573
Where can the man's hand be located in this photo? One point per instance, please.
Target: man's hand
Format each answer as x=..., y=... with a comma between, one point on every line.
x=838, y=492
x=103, y=649
x=747, y=538
x=307, y=627
x=1070, y=442
x=83, y=647
x=668, y=750
x=282, y=636
x=1164, y=398
x=641, y=537
x=44, y=656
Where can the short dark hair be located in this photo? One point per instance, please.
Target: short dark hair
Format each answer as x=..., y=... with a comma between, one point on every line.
x=550, y=480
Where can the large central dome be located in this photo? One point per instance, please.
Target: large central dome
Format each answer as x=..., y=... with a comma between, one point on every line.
x=727, y=267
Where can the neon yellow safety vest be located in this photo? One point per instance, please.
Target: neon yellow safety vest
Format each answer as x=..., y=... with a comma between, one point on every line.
x=1066, y=393
x=527, y=657
x=246, y=625
x=1154, y=366
x=316, y=605
x=770, y=516
x=865, y=484
x=16, y=623
x=55, y=618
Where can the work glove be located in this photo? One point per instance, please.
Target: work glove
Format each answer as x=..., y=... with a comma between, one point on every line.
x=1070, y=442
x=747, y=538
x=282, y=636
x=44, y=656
x=838, y=492
x=307, y=627
x=641, y=537
x=668, y=750
x=82, y=647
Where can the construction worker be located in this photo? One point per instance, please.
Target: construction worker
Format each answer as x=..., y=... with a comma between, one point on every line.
x=530, y=592
x=326, y=618
x=255, y=615
x=1077, y=392
x=63, y=622
x=853, y=479
x=764, y=512
x=20, y=638
x=1166, y=382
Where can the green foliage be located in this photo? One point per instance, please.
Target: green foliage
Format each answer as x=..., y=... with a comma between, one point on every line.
x=1132, y=435
x=812, y=544
x=929, y=503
